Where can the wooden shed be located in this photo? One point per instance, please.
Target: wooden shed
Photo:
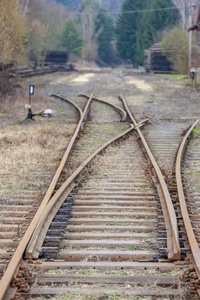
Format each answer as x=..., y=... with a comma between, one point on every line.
x=56, y=57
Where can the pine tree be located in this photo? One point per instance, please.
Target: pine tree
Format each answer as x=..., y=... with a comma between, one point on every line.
x=127, y=30
x=136, y=31
x=70, y=39
x=104, y=25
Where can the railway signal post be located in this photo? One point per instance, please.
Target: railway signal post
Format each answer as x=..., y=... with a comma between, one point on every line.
x=31, y=92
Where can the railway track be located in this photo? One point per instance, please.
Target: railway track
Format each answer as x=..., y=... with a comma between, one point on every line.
x=110, y=225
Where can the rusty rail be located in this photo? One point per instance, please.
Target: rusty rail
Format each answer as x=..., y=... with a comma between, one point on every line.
x=119, y=109
x=173, y=245
x=68, y=150
x=17, y=257
x=67, y=100
x=188, y=226
x=35, y=244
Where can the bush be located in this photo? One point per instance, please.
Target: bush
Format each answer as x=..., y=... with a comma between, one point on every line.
x=175, y=47
x=7, y=83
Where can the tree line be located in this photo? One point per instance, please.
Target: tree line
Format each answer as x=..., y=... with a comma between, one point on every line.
x=88, y=29
x=175, y=42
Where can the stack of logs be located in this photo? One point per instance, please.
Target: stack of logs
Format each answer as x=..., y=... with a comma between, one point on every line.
x=50, y=68
x=156, y=61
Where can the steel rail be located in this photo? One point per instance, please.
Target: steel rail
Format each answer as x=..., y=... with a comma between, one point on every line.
x=121, y=110
x=35, y=244
x=188, y=226
x=67, y=100
x=17, y=256
x=68, y=150
x=173, y=245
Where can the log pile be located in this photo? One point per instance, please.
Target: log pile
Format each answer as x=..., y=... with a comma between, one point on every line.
x=156, y=61
x=36, y=71
x=55, y=61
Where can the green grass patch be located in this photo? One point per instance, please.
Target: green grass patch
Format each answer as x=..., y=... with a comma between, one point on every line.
x=185, y=80
x=149, y=100
x=58, y=272
x=5, y=192
x=62, y=110
x=179, y=77
x=175, y=272
x=86, y=272
x=196, y=130
x=3, y=114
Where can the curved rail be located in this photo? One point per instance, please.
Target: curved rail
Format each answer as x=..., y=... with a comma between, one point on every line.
x=67, y=100
x=173, y=245
x=17, y=257
x=38, y=237
x=121, y=110
x=188, y=226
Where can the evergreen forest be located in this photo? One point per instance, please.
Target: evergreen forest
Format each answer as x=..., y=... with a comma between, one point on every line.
x=108, y=32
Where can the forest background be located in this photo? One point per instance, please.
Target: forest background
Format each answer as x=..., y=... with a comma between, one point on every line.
x=107, y=32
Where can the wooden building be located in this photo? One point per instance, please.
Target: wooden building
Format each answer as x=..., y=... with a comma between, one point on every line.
x=56, y=57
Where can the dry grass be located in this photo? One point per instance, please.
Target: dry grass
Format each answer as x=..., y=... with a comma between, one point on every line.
x=31, y=148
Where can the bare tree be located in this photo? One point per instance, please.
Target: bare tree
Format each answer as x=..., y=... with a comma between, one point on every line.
x=12, y=31
x=185, y=8
x=89, y=13
x=46, y=19
x=26, y=6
